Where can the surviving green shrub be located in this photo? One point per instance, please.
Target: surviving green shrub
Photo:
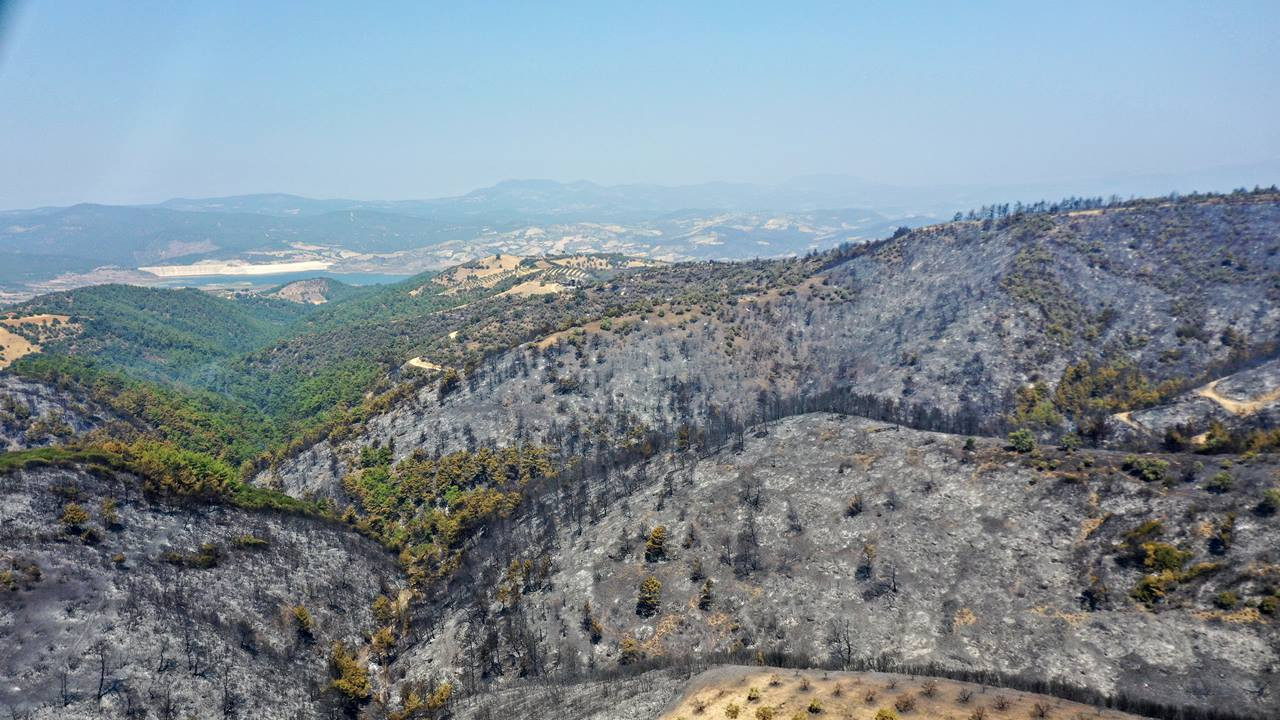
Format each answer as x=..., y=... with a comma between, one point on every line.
x=1152, y=588
x=426, y=507
x=1147, y=469
x=1131, y=542
x=649, y=599
x=1022, y=440
x=655, y=547
x=1033, y=407
x=371, y=457
x=207, y=557
x=440, y=697
x=1226, y=600
x=629, y=651
x=1163, y=557
x=886, y=714
x=73, y=516
x=303, y=622
x=1088, y=393
x=1270, y=504
x=250, y=541
x=382, y=642
x=1220, y=483
x=352, y=677
x=1269, y=605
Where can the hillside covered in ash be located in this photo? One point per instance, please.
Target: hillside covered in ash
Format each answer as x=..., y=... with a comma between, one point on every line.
x=1052, y=322
x=1037, y=444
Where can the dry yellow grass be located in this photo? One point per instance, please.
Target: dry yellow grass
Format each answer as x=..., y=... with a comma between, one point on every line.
x=964, y=617
x=1071, y=618
x=583, y=262
x=484, y=267
x=533, y=287
x=1089, y=525
x=1243, y=616
x=14, y=346
x=859, y=695
x=482, y=273
x=35, y=320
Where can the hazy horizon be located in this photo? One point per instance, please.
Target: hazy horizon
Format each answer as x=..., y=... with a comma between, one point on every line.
x=139, y=103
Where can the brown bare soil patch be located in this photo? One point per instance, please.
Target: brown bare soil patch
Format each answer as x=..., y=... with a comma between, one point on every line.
x=820, y=694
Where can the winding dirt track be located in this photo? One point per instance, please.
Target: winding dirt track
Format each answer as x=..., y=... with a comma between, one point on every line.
x=1238, y=407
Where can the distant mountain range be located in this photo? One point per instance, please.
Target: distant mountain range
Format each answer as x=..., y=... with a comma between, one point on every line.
x=89, y=243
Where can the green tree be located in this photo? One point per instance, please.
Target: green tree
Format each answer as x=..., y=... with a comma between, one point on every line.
x=649, y=600
x=352, y=677
x=305, y=624
x=655, y=548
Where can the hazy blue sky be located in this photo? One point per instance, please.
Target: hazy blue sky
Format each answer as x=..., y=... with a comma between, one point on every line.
x=139, y=101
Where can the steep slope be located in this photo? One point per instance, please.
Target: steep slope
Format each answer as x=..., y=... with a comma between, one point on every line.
x=33, y=414
x=171, y=609
x=1048, y=321
x=844, y=541
x=1233, y=412
x=516, y=453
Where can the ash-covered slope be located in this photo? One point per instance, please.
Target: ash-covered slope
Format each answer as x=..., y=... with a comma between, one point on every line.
x=139, y=608
x=33, y=414
x=1051, y=321
x=843, y=540
x=695, y=397
x=1214, y=415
